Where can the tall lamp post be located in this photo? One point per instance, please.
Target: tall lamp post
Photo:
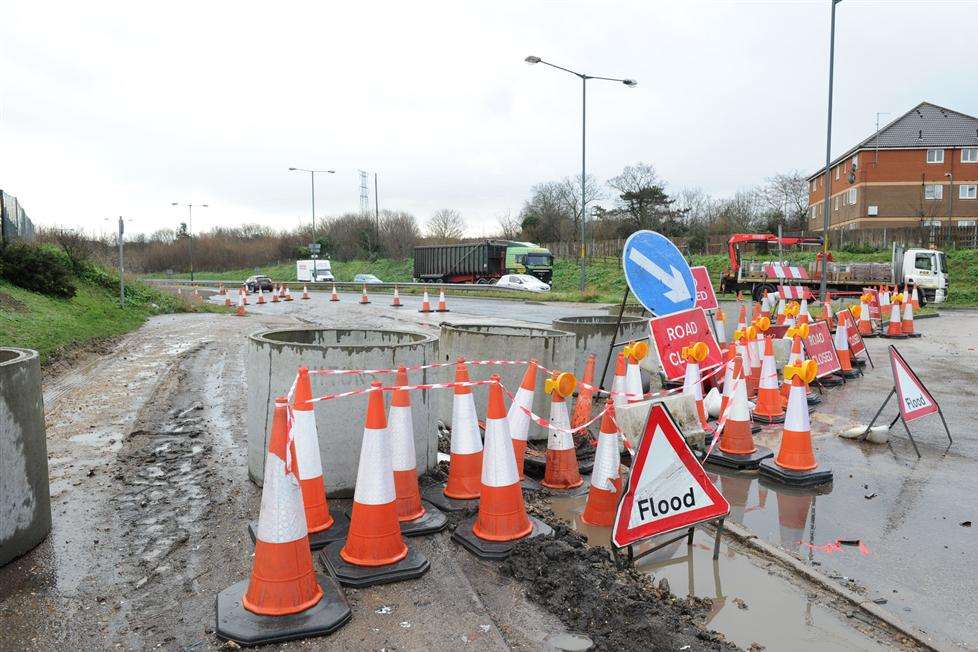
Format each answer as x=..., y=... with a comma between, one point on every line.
x=828, y=162
x=583, y=77
x=122, y=277
x=312, y=183
x=190, y=232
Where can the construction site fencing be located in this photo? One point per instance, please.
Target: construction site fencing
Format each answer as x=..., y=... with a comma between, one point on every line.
x=14, y=224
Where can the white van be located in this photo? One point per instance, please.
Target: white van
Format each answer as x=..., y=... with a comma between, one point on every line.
x=313, y=271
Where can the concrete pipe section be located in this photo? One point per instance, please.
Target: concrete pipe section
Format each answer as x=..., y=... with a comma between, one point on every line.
x=25, y=500
x=595, y=334
x=275, y=356
x=554, y=349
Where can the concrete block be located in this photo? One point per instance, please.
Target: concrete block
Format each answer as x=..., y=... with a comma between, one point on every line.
x=25, y=499
x=594, y=335
x=273, y=360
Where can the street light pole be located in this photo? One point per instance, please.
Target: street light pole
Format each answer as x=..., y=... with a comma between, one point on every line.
x=828, y=162
x=122, y=276
x=312, y=183
x=627, y=82
x=190, y=232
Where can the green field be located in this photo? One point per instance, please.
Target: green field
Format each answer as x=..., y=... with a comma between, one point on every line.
x=53, y=326
x=605, y=281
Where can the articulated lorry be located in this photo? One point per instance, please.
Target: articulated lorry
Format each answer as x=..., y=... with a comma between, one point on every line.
x=925, y=268
x=481, y=262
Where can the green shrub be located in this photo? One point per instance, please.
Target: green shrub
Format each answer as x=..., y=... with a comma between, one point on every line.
x=38, y=269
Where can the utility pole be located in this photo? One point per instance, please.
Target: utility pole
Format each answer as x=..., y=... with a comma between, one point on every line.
x=122, y=275
x=828, y=162
x=377, y=211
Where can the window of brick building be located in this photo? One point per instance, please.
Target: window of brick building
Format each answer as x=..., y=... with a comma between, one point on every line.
x=963, y=223
x=935, y=156
x=968, y=191
x=969, y=155
x=836, y=202
x=933, y=191
x=851, y=195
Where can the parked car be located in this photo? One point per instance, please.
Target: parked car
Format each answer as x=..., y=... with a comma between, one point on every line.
x=263, y=282
x=522, y=282
x=366, y=278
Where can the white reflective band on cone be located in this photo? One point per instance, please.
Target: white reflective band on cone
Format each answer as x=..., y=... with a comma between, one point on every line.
x=282, y=518
x=728, y=378
x=841, y=338
x=558, y=439
x=633, y=382
x=375, y=480
x=517, y=419
x=691, y=382
x=721, y=330
x=400, y=428
x=465, y=427
x=618, y=388
x=908, y=312
x=895, y=312
x=796, y=417
x=498, y=459
x=605, y=461
x=306, y=444
x=739, y=410
x=769, y=373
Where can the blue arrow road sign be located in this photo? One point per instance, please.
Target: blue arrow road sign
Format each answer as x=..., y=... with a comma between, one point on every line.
x=657, y=273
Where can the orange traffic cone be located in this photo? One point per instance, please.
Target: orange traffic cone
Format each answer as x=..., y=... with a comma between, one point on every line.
x=914, y=298
x=795, y=462
x=396, y=301
x=742, y=317
x=374, y=551
x=283, y=581
x=274, y=294
x=441, y=302
x=755, y=311
x=562, y=469
x=618, y=395
x=692, y=383
x=240, y=312
x=804, y=317
x=227, y=301
x=884, y=295
x=333, y=296
x=755, y=340
x=797, y=334
x=894, y=329
x=305, y=293
x=222, y=290
x=582, y=406
x=518, y=420
x=416, y=517
x=765, y=305
x=907, y=326
x=827, y=311
x=605, y=485
x=728, y=369
x=634, y=352
x=768, y=407
x=364, y=299
x=261, y=297
x=282, y=291
x=288, y=294
x=861, y=312
x=244, y=293
x=720, y=325
x=736, y=448
x=465, y=466
x=842, y=350
x=425, y=302
x=502, y=518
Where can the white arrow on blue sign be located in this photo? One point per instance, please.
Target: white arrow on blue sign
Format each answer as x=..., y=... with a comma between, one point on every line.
x=657, y=273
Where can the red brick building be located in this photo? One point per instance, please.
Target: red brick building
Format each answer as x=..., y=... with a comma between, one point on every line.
x=919, y=170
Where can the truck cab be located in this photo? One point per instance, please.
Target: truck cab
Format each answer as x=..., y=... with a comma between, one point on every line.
x=925, y=268
x=527, y=258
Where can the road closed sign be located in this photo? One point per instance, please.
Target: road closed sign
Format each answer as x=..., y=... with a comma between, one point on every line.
x=820, y=348
x=672, y=332
x=667, y=487
x=706, y=298
x=856, y=344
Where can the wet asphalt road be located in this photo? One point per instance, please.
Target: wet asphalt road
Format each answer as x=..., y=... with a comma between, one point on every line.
x=918, y=556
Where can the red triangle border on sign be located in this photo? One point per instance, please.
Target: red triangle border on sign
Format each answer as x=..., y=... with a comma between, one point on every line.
x=909, y=415
x=621, y=534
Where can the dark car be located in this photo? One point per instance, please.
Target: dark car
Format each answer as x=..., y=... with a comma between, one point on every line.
x=255, y=282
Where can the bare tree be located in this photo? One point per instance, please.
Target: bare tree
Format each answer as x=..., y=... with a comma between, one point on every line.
x=786, y=194
x=398, y=233
x=445, y=225
x=510, y=226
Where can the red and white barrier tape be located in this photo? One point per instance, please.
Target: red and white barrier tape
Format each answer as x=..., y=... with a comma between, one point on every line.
x=410, y=388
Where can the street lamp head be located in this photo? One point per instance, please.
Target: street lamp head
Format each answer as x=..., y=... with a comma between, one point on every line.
x=532, y=60
x=331, y=171
x=292, y=169
x=203, y=205
x=629, y=82
x=174, y=204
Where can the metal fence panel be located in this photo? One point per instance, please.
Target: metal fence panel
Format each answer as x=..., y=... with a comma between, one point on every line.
x=14, y=223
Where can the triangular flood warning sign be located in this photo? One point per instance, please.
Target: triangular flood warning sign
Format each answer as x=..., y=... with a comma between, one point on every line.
x=667, y=488
x=915, y=400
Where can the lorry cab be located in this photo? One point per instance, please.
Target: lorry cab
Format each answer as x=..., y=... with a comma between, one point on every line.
x=925, y=268
x=527, y=258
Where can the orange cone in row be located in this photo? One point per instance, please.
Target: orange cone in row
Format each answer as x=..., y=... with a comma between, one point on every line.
x=517, y=419
x=502, y=518
x=768, y=407
x=692, y=383
x=894, y=329
x=736, y=448
x=374, y=551
x=797, y=334
x=333, y=296
x=425, y=302
x=634, y=353
x=861, y=312
x=906, y=327
x=618, y=395
x=261, y=297
x=396, y=301
x=582, y=406
x=364, y=299
x=274, y=294
x=728, y=383
x=605, y=485
x=795, y=462
x=562, y=470
x=240, y=312
x=842, y=350
x=416, y=517
x=720, y=325
x=442, y=306
x=227, y=301
x=283, y=581
x=305, y=293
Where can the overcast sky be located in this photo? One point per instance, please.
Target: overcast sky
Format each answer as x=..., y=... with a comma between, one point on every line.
x=111, y=109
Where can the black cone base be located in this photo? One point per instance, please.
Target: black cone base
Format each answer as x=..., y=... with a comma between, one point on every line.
x=914, y=335
x=790, y=490
x=445, y=310
x=336, y=532
x=894, y=337
x=496, y=550
x=433, y=520
x=235, y=623
x=412, y=566
x=739, y=462
x=813, y=398
x=760, y=418
x=435, y=494
x=855, y=373
x=579, y=490
x=830, y=381
x=818, y=475
x=755, y=428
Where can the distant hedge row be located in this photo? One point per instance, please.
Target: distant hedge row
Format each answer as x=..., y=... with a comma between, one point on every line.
x=38, y=268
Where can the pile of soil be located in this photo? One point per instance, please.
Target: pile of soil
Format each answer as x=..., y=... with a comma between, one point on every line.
x=617, y=609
